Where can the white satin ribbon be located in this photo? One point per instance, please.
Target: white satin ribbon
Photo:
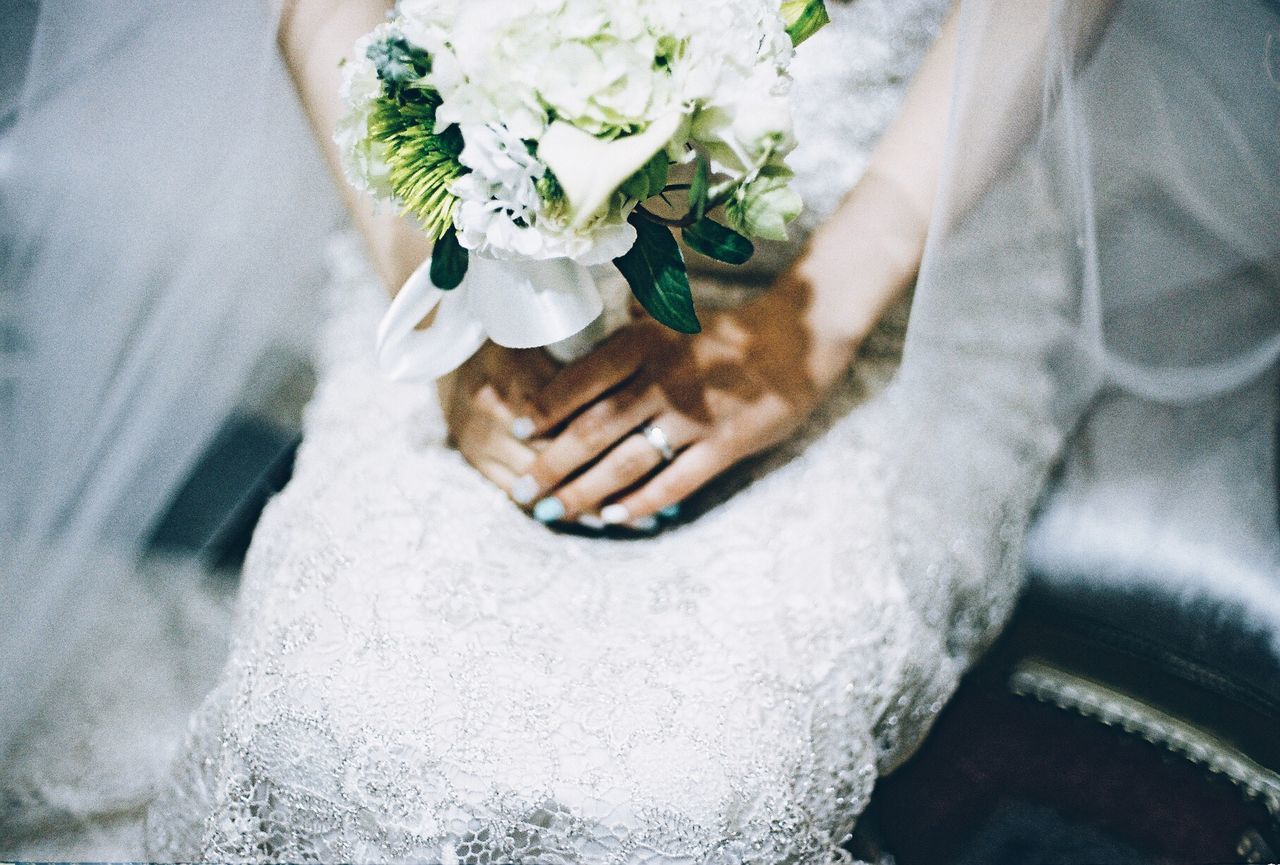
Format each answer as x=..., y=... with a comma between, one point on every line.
x=518, y=304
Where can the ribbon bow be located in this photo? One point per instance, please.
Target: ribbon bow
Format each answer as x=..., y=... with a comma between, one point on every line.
x=517, y=304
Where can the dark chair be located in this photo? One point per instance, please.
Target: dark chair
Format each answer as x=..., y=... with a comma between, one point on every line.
x=215, y=512
x=249, y=460
x=1131, y=712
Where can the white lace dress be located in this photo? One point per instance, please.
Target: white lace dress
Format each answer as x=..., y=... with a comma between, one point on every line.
x=420, y=672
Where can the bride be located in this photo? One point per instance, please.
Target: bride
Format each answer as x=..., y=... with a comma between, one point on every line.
x=419, y=671
x=495, y=624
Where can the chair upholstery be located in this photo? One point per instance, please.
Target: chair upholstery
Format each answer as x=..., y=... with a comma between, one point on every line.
x=1162, y=529
x=1136, y=694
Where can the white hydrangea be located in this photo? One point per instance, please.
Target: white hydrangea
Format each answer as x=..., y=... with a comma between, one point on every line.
x=507, y=70
x=360, y=154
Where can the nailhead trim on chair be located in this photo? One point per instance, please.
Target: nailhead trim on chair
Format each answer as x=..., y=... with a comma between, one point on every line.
x=1034, y=678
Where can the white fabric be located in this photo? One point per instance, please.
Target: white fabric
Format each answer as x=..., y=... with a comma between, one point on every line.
x=519, y=304
x=420, y=672
x=1175, y=500
x=161, y=207
x=1169, y=483
x=84, y=769
x=429, y=675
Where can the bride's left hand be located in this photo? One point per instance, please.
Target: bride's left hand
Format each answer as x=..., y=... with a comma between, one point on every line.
x=743, y=384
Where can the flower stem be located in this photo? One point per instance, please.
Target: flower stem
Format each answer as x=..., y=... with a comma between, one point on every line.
x=686, y=220
x=680, y=222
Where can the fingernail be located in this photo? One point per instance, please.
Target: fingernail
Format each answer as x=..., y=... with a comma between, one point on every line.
x=591, y=521
x=645, y=524
x=615, y=515
x=670, y=512
x=548, y=510
x=524, y=490
x=523, y=428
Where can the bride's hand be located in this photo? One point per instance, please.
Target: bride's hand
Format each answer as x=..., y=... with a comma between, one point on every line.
x=478, y=400
x=743, y=384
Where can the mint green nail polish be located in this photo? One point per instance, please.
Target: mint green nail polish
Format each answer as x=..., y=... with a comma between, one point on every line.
x=522, y=428
x=524, y=489
x=615, y=514
x=670, y=512
x=591, y=521
x=548, y=510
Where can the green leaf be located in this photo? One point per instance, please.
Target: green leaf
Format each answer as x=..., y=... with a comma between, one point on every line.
x=399, y=64
x=448, y=261
x=659, y=167
x=649, y=180
x=763, y=207
x=654, y=269
x=698, y=189
x=716, y=241
x=804, y=18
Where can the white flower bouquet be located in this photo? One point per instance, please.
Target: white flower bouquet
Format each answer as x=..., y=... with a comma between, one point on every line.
x=533, y=139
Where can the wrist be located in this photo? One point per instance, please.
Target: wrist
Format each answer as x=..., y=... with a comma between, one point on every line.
x=865, y=256
x=786, y=334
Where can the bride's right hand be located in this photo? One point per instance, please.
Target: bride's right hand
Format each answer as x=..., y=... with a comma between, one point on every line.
x=477, y=399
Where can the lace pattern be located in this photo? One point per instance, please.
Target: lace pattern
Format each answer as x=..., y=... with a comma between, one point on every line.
x=420, y=672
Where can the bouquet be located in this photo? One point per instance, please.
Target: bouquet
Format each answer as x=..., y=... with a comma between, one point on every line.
x=534, y=139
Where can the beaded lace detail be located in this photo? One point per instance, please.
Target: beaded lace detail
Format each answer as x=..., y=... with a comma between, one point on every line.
x=421, y=672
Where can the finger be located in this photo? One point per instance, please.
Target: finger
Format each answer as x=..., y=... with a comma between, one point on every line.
x=581, y=383
x=686, y=474
x=482, y=439
x=498, y=447
x=498, y=474
x=481, y=406
x=519, y=375
x=588, y=436
x=627, y=464
x=515, y=456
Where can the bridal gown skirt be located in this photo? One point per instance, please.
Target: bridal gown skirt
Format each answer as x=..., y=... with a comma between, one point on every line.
x=419, y=671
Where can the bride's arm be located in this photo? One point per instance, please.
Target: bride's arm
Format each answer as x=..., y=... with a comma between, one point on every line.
x=315, y=36
x=754, y=374
x=866, y=254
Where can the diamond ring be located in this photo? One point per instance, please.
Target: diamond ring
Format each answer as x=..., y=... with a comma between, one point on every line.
x=655, y=436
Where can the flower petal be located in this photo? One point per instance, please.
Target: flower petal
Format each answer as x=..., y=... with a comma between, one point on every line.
x=591, y=169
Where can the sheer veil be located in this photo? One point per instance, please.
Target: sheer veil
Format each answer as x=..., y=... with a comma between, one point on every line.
x=163, y=209
x=1142, y=138
x=1107, y=223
